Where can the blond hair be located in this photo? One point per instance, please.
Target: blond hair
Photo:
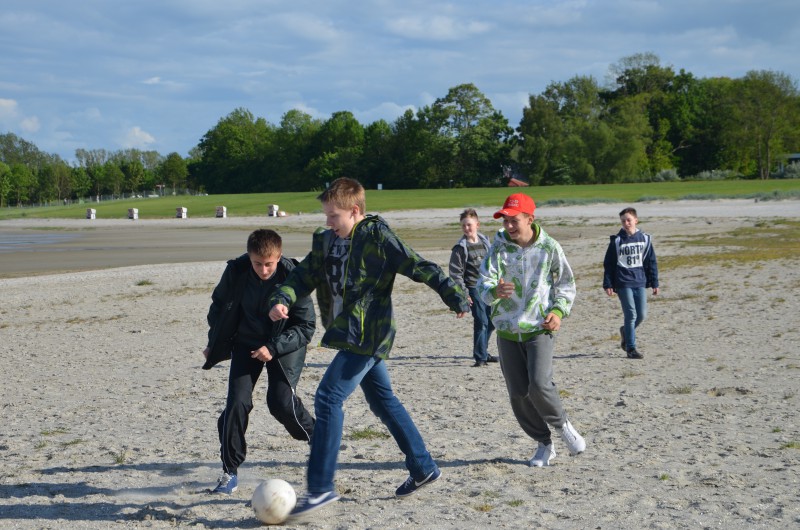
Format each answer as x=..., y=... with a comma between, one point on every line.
x=344, y=193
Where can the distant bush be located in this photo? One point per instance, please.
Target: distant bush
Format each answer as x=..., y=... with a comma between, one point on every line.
x=716, y=174
x=666, y=175
x=792, y=171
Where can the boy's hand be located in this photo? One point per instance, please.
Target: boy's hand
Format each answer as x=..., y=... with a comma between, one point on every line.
x=278, y=312
x=461, y=314
x=655, y=291
x=552, y=322
x=504, y=290
x=262, y=354
x=206, y=352
x=610, y=291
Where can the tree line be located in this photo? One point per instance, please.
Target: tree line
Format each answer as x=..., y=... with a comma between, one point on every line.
x=646, y=123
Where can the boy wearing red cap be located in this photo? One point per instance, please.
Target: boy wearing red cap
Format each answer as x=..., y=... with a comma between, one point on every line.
x=530, y=286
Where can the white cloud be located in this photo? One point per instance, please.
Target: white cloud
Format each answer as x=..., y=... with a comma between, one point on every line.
x=308, y=27
x=30, y=124
x=8, y=109
x=136, y=138
x=12, y=117
x=388, y=111
x=436, y=28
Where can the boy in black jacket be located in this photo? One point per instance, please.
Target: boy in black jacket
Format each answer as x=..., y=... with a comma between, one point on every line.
x=240, y=330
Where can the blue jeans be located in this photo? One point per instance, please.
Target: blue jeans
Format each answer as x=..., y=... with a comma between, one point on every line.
x=634, y=311
x=482, y=326
x=347, y=371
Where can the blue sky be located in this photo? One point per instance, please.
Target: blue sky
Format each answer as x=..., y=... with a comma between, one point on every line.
x=157, y=75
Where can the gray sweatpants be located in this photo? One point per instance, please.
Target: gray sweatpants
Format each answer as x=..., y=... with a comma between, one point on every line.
x=528, y=371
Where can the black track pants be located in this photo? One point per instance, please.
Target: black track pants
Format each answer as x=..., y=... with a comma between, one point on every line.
x=282, y=402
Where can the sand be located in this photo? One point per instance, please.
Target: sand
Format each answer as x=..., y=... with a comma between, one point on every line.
x=109, y=422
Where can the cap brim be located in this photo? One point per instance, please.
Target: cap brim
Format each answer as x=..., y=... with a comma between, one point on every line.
x=506, y=211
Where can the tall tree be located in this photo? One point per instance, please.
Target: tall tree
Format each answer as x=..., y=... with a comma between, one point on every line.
x=767, y=112
x=231, y=152
x=173, y=170
x=339, y=145
x=480, y=135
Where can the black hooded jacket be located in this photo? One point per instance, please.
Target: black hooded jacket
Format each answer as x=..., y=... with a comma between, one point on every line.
x=287, y=339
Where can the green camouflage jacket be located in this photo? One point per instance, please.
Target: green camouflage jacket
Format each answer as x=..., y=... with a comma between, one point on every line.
x=366, y=323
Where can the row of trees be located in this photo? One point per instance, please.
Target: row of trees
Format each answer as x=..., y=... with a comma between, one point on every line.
x=30, y=176
x=647, y=123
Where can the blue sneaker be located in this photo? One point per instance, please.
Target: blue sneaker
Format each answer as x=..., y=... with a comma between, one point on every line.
x=311, y=502
x=411, y=485
x=227, y=484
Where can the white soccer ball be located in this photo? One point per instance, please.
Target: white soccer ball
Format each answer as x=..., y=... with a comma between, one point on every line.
x=273, y=501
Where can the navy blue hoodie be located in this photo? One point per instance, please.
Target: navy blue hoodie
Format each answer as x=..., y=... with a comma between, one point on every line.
x=630, y=261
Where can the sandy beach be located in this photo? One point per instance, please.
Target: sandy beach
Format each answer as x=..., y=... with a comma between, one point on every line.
x=109, y=422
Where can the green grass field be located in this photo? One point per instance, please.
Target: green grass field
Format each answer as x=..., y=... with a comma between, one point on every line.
x=386, y=200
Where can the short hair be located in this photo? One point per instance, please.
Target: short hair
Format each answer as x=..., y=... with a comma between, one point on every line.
x=264, y=242
x=629, y=210
x=344, y=193
x=469, y=212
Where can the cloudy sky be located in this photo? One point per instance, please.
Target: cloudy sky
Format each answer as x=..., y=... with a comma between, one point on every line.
x=158, y=74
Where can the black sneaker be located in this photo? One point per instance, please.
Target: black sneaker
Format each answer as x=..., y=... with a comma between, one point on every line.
x=622, y=339
x=411, y=485
x=633, y=354
x=492, y=359
x=479, y=363
x=311, y=502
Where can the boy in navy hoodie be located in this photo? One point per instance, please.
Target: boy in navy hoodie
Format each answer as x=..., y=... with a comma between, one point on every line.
x=630, y=268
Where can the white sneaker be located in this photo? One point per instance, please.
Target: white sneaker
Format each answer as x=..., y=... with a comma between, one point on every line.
x=575, y=442
x=543, y=456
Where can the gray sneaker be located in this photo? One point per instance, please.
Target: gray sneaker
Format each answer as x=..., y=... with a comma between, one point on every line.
x=543, y=456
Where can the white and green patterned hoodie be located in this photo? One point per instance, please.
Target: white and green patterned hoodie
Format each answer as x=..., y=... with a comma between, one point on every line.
x=543, y=283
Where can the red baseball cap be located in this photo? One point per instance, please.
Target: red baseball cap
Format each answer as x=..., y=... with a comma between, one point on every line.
x=516, y=204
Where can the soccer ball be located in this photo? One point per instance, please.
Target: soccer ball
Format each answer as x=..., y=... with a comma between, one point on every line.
x=273, y=501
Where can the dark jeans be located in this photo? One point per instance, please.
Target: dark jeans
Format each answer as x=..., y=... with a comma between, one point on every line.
x=482, y=326
x=282, y=401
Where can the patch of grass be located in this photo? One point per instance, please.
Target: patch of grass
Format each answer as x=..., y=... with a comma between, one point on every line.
x=515, y=503
x=680, y=390
x=777, y=429
x=76, y=441
x=485, y=507
x=564, y=393
x=367, y=433
x=142, y=283
x=630, y=373
x=794, y=444
x=254, y=204
x=41, y=444
x=663, y=476
x=746, y=245
x=54, y=432
x=120, y=457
